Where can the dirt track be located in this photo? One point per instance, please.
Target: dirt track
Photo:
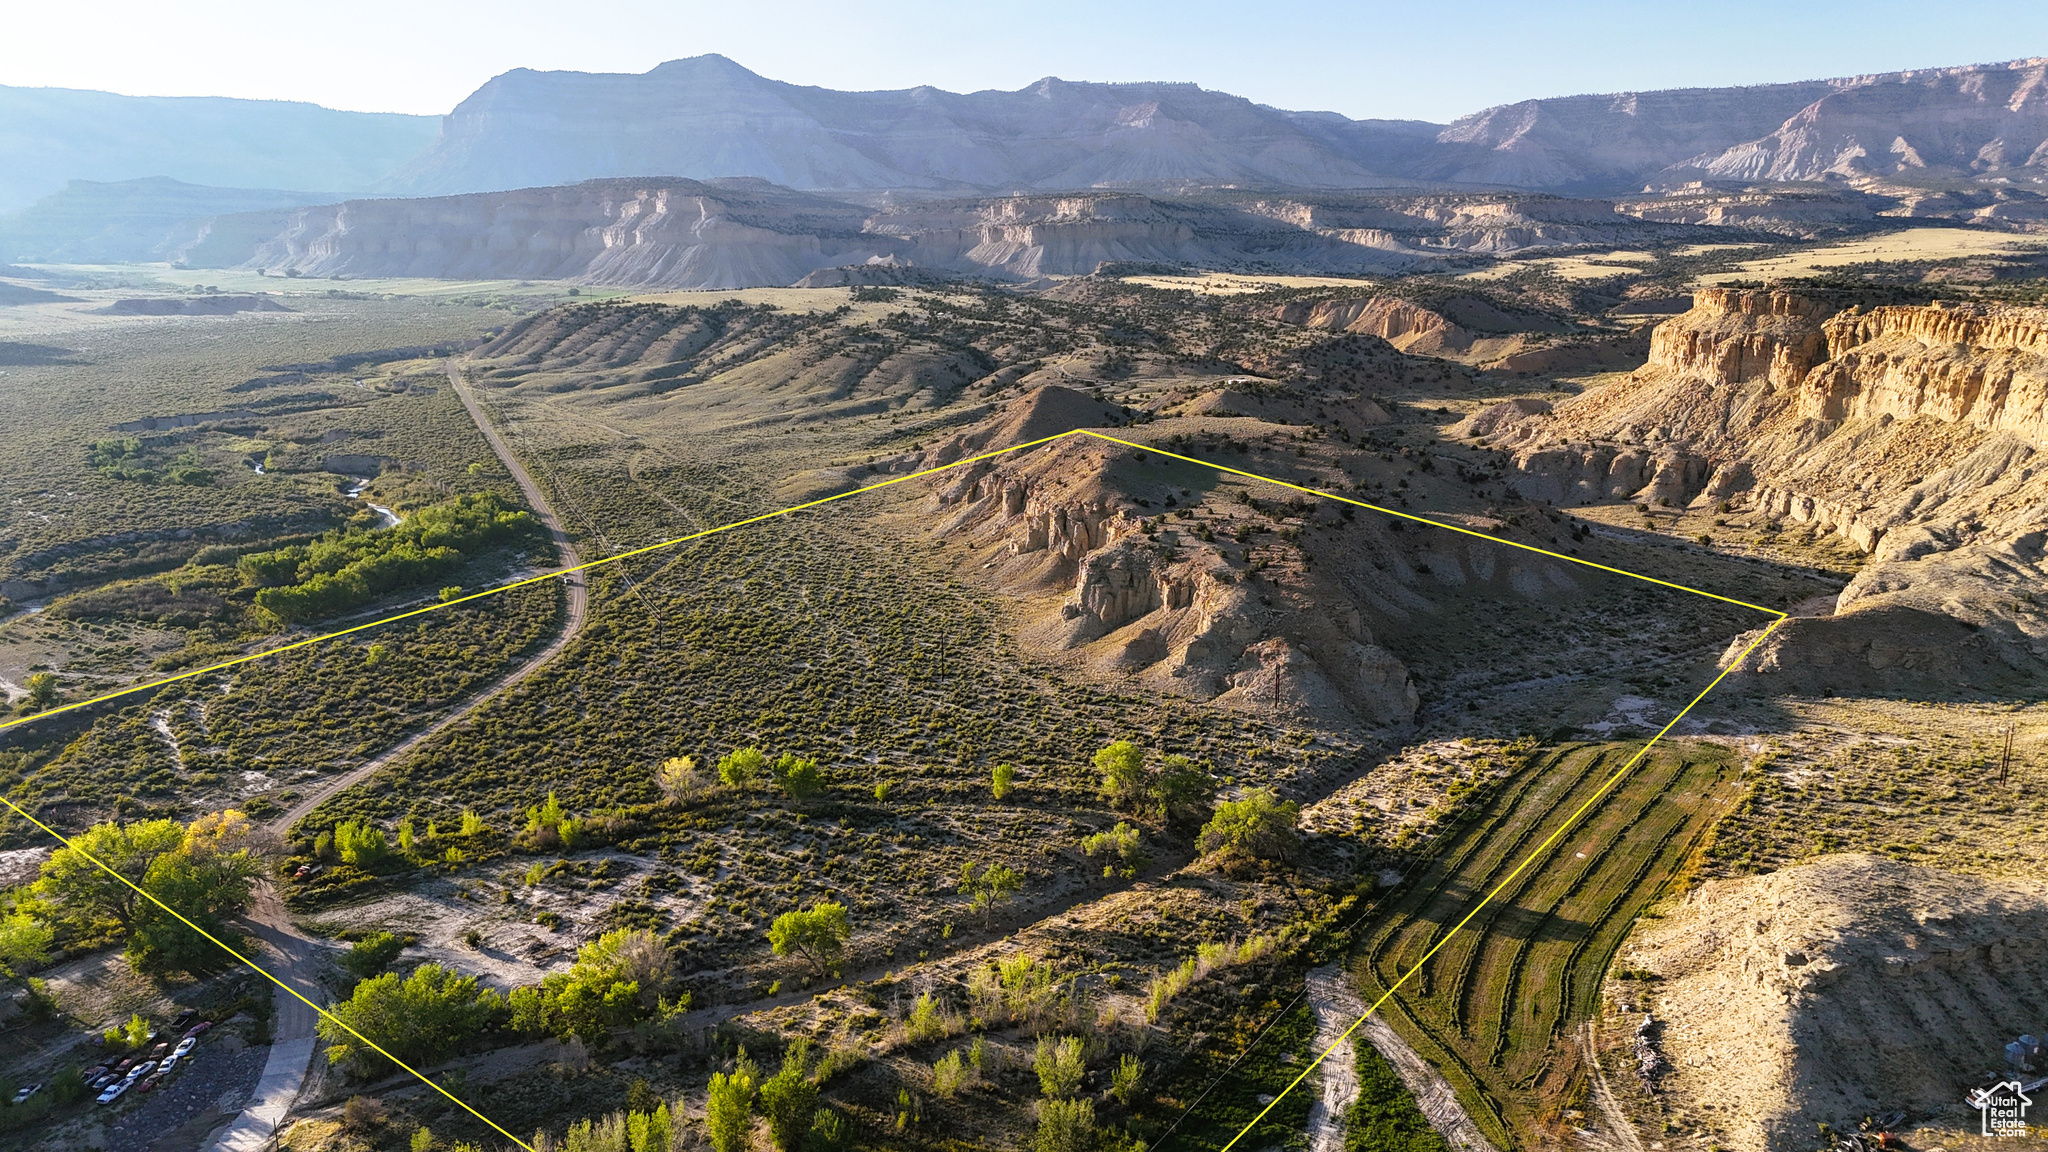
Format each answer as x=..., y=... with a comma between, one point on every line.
x=294, y=957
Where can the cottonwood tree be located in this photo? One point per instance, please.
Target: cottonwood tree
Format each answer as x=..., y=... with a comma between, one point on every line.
x=1259, y=827
x=789, y=1099
x=800, y=778
x=1124, y=783
x=679, y=780
x=989, y=887
x=818, y=935
x=739, y=769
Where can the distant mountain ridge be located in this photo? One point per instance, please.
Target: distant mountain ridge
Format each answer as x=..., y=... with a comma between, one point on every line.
x=51, y=136
x=707, y=117
x=1980, y=127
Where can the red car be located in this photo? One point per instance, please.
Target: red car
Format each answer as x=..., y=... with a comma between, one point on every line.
x=198, y=1029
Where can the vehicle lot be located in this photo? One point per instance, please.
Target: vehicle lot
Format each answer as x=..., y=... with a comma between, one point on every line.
x=214, y=1076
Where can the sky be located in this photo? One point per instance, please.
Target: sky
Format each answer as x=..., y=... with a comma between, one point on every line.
x=1410, y=60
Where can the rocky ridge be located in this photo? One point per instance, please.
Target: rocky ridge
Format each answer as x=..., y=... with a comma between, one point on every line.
x=1916, y=432
x=1070, y=526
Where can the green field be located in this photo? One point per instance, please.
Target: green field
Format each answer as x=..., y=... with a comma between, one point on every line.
x=1491, y=1007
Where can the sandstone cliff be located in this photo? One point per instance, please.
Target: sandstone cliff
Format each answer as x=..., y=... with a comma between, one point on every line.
x=1916, y=432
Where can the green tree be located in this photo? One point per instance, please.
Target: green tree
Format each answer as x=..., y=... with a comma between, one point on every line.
x=1261, y=827
x=23, y=940
x=1124, y=781
x=202, y=896
x=42, y=691
x=729, y=1109
x=425, y=1017
x=789, y=1099
x=818, y=935
x=741, y=768
x=360, y=844
x=993, y=885
x=617, y=978
x=1060, y=1065
x=73, y=879
x=1065, y=1126
x=1184, y=792
x=1120, y=850
x=1002, y=781
x=800, y=778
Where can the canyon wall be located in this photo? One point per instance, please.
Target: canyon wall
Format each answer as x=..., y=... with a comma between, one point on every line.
x=1918, y=433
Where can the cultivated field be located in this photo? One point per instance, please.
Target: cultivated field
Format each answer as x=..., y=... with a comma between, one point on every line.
x=1494, y=1007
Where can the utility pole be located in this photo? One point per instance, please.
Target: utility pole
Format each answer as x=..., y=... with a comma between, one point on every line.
x=2005, y=759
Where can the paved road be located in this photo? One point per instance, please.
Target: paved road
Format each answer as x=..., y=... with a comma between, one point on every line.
x=290, y=954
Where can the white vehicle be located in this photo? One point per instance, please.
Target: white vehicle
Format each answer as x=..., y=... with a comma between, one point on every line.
x=169, y=1063
x=184, y=1046
x=138, y=1072
x=22, y=1096
x=114, y=1091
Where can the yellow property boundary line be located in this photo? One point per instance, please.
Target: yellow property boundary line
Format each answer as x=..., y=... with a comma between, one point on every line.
x=616, y=558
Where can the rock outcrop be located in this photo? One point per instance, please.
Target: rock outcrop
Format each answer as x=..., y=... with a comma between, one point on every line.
x=1916, y=432
x=1065, y=527
x=1845, y=987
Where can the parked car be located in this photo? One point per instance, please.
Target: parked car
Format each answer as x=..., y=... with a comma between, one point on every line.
x=139, y=1071
x=113, y=1092
x=158, y=1052
x=198, y=1029
x=184, y=1046
x=164, y=1069
x=22, y=1096
x=147, y=1083
x=122, y=1068
x=95, y=1072
x=103, y=1079
x=185, y=1019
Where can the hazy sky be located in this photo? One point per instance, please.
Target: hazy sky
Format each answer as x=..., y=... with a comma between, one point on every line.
x=1424, y=60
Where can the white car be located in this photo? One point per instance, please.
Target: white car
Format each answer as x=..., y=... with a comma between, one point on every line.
x=114, y=1091
x=184, y=1046
x=170, y=1062
x=22, y=1096
x=138, y=1072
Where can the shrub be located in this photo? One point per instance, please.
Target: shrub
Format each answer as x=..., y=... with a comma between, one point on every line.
x=1060, y=1065
x=371, y=955
x=1124, y=1082
x=1165, y=987
x=949, y=1073
x=360, y=844
x=1120, y=850
x=1261, y=827
x=1002, y=781
x=617, y=978
x=423, y=1018
x=819, y=935
x=789, y=1100
x=729, y=1109
x=1065, y=1126
x=1385, y=1115
x=927, y=1022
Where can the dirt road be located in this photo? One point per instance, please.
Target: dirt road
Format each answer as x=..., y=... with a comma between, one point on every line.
x=291, y=955
x=578, y=611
